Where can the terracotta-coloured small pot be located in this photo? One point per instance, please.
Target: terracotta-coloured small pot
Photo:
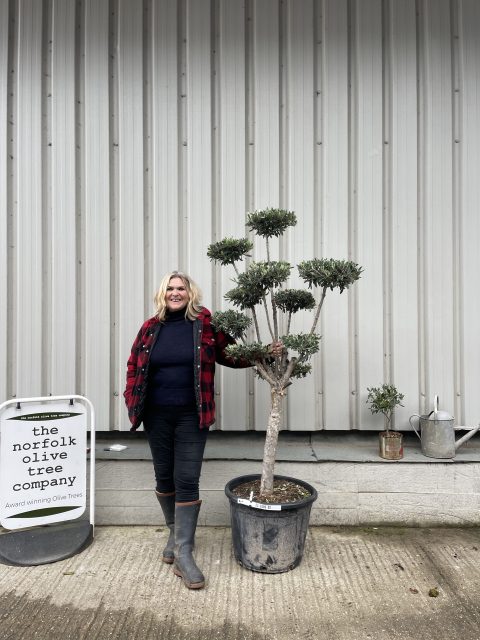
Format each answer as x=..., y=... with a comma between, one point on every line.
x=390, y=445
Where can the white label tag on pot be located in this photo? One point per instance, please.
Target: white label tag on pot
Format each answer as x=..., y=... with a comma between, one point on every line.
x=259, y=505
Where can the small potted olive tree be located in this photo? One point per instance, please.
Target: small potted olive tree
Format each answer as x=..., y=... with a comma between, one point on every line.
x=383, y=400
x=260, y=288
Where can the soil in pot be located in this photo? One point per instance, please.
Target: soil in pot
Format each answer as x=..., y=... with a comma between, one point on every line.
x=390, y=445
x=284, y=491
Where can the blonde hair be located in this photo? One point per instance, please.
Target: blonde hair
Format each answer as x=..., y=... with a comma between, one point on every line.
x=194, y=296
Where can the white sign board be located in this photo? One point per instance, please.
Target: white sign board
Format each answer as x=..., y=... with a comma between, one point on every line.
x=42, y=464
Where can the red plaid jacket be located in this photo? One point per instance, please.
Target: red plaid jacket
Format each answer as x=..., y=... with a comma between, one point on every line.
x=209, y=347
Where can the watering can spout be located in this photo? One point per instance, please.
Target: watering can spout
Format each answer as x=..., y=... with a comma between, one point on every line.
x=466, y=437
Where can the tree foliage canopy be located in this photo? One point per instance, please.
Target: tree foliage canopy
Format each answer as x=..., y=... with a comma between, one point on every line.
x=253, y=351
x=271, y=223
x=305, y=344
x=256, y=281
x=294, y=300
x=229, y=250
x=263, y=276
x=233, y=323
x=328, y=273
x=261, y=288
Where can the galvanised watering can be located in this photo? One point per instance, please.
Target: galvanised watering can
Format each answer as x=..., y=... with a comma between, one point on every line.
x=437, y=433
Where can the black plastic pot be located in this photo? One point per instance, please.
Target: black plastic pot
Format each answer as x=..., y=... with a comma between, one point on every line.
x=268, y=540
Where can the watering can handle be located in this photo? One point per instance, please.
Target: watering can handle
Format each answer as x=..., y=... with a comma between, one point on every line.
x=415, y=415
x=435, y=406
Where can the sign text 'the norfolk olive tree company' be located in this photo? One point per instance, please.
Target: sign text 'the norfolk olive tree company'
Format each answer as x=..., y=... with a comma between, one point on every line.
x=42, y=464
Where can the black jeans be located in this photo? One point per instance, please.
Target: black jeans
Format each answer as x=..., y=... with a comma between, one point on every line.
x=177, y=445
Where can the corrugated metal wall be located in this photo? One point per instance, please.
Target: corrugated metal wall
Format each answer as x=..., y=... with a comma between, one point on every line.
x=133, y=134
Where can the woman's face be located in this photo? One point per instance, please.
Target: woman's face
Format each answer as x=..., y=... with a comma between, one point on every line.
x=176, y=297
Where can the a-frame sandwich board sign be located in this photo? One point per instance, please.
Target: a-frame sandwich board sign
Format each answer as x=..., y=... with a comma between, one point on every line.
x=43, y=478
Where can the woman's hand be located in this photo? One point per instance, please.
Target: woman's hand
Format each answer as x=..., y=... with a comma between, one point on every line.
x=276, y=348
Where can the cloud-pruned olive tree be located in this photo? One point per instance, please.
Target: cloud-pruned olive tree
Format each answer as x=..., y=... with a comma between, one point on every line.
x=261, y=288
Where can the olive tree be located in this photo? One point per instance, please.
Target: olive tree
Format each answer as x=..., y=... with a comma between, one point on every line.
x=261, y=288
x=383, y=400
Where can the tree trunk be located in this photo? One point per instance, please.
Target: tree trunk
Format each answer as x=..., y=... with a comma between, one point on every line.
x=271, y=440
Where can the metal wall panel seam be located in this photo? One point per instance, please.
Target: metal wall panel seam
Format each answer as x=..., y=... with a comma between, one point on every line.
x=216, y=181
x=80, y=136
x=199, y=203
x=387, y=249
x=353, y=207
x=12, y=203
x=438, y=241
x=369, y=221
x=404, y=209
x=63, y=246
x=284, y=147
x=422, y=203
x=267, y=66
x=269, y=95
x=336, y=343
x=4, y=153
x=250, y=155
x=148, y=123
x=182, y=118
x=470, y=56
x=457, y=213
x=114, y=175
x=283, y=78
x=28, y=179
x=128, y=263
x=94, y=142
x=319, y=189
x=216, y=145
x=300, y=242
x=229, y=132
x=272, y=104
x=47, y=194
x=162, y=208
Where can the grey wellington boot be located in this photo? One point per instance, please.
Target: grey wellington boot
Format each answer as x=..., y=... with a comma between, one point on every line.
x=167, y=502
x=186, y=516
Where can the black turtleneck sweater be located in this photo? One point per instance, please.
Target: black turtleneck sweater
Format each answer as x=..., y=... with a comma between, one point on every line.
x=170, y=374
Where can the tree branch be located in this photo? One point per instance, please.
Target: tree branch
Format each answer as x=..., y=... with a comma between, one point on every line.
x=288, y=372
x=289, y=322
x=268, y=317
x=275, y=316
x=262, y=370
x=255, y=322
x=319, y=308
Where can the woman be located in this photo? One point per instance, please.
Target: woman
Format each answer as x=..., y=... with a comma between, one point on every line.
x=170, y=388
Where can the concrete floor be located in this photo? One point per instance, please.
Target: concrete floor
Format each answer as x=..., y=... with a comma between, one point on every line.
x=353, y=583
